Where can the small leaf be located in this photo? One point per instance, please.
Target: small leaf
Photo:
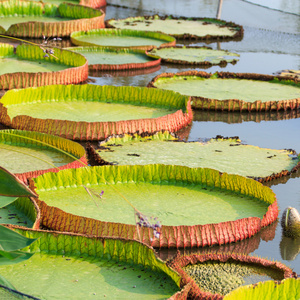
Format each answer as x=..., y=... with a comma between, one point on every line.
x=4, y=201
x=14, y=257
x=5, y=282
x=11, y=186
x=11, y=240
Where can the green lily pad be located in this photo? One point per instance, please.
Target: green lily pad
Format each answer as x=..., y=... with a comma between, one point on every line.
x=31, y=153
x=214, y=275
x=270, y=290
x=100, y=58
x=15, y=215
x=90, y=112
x=38, y=19
x=122, y=38
x=180, y=197
x=194, y=55
x=224, y=154
x=197, y=28
x=75, y=266
x=90, y=3
x=26, y=66
x=233, y=92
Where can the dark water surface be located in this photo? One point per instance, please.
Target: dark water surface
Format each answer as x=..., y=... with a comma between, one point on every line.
x=271, y=43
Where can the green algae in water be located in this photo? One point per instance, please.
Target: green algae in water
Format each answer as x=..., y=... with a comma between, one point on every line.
x=222, y=89
x=13, y=65
x=224, y=155
x=6, y=22
x=86, y=111
x=119, y=41
x=11, y=215
x=60, y=277
x=174, y=205
x=113, y=58
x=176, y=27
x=194, y=55
x=18, y=159
x=222, y=278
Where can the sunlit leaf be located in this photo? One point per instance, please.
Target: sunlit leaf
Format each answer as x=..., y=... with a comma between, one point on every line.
x=11, y=186
x=13, y=257
x=11, y=240
x=4, y=200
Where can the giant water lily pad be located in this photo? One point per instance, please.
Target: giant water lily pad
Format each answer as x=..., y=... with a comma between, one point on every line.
x=26, y=66
x=194, y=56
x=233, y=91
x=270, y=290
x=90, y=3
x=196, y=28
x=212, y=276
x=38, y=19
x=197, y=207
x=75, y=266
x=224, y=154
x=100, y=59
x=122, y=38
x=90, y=112
x=30, y=154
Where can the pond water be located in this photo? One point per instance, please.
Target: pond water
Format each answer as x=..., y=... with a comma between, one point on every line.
x=270, y=44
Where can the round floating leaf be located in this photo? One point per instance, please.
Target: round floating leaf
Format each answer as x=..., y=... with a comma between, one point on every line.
x=232, y=91
x=224, y=154
x=183, y=199
x=101, y=58
x=30, y=154
x=38, y=19
x=28, y=67
x=122, y=38
x=270, y=290
x=90, y=112
x=195, y=28
x=214, y=275
x=90, y=267
x=194, y=56
x=90, y=3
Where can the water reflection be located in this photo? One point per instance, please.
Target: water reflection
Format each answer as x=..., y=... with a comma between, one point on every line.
x=289, y=248
x=235, y=117
x=244, y=247
x=123, y=73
